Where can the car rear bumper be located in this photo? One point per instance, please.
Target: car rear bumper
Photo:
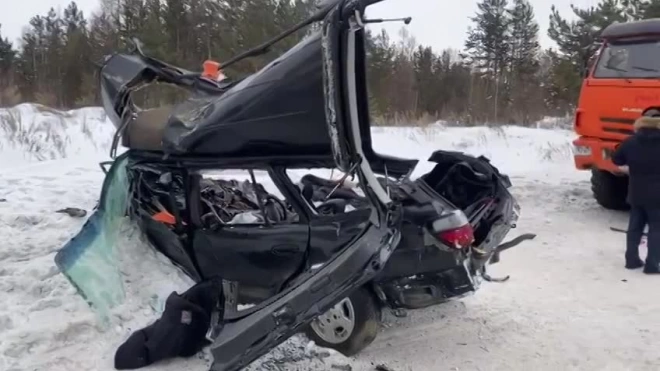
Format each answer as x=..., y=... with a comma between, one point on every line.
x=594, y=153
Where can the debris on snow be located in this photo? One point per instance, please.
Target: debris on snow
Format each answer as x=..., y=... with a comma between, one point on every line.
x=341, y=367
x=73, y=212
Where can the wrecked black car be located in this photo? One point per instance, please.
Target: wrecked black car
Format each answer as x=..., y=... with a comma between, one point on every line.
x=270, y=186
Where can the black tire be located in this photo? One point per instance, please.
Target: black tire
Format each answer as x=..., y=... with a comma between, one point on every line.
x=367, y=313
x=610, y=191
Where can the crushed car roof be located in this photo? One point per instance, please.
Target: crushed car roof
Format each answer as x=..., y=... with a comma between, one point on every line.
x=279, y=111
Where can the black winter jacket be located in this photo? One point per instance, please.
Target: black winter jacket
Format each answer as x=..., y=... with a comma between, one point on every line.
x=641, y=153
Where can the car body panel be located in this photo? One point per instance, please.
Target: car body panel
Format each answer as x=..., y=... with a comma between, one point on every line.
x=272, y=111
x=252, y=254
x=329, y=233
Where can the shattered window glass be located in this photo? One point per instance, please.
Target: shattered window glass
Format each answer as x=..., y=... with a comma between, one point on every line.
x=89, y=260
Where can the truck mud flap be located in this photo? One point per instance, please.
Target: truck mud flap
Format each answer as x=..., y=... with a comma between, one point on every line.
x=89, y=260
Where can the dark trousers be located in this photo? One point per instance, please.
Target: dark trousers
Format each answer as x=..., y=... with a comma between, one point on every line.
x=640, y=217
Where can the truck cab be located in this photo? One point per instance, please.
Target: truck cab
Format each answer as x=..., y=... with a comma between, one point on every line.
x=622, y=84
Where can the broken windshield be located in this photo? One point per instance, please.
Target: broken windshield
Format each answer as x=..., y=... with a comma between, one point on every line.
x=629, y=60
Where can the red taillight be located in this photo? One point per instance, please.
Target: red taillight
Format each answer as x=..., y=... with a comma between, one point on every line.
x=458, y=238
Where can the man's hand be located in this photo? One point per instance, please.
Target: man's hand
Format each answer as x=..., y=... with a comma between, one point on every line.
x=624, y=169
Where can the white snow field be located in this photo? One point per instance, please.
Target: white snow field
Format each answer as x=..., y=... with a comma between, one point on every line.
x=569, y=305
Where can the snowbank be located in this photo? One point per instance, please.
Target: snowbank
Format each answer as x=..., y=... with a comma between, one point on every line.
x=31, y=133
x=515, y=150
x=48, y=161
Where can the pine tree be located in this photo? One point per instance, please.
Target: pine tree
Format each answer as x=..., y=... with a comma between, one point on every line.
x=380, y=54
x=425, y=79
x=562, y=86
x=178, y=29
x=524, y=51
x=648, y=8
x=74, y=58
x=523, y=42
x=7, y=56
x=487, y=43
x=7, y=62
x=53, y=67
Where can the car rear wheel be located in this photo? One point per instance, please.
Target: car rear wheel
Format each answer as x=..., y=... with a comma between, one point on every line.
x=610, y=191
x=350, y=326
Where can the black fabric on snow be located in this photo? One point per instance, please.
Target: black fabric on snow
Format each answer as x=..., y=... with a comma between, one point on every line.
x=641, y=153
x=180, y=332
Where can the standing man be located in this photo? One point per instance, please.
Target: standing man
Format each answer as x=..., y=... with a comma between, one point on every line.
x=639, y=156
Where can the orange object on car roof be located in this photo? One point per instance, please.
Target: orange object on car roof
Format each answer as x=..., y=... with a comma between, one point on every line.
x=213, y=71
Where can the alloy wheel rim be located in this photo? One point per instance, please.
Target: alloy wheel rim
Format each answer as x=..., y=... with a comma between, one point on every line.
x=337, y=324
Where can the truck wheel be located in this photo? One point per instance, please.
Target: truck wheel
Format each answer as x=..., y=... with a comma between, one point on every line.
x=610, y=191
x=348, y=327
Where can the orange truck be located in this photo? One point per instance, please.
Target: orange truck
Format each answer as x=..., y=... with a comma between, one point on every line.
x=622, y=84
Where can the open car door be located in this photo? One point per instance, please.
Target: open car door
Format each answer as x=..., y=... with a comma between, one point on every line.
x=347, y=112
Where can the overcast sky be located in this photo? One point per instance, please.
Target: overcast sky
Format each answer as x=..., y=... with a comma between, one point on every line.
x=439, y=23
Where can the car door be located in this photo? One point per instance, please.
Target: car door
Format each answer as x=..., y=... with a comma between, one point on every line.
x=260, y=249
x=260, y=257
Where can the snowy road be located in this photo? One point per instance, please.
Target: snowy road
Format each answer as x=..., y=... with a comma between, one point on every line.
x=569, y=305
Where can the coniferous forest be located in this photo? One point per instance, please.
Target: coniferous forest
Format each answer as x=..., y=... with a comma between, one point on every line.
x=501, y=75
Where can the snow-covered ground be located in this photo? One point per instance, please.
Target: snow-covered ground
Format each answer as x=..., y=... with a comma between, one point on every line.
x=569, y=304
